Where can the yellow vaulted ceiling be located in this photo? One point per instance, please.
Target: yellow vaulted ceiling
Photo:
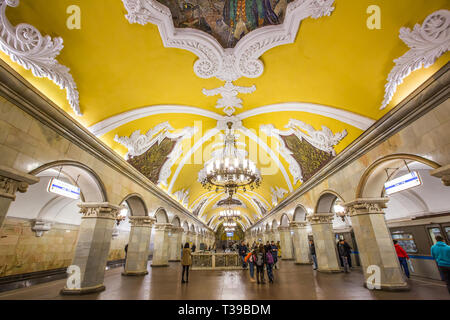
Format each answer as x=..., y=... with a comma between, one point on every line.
x=335, y=61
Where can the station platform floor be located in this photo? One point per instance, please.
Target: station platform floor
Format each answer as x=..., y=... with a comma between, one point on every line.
x=292, y=282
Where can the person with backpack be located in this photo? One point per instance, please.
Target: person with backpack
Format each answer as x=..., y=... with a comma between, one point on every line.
x=269, y=264
x=260, y=261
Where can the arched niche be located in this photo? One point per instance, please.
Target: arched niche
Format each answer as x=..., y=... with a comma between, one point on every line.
x=176, y=222
x=431, y=197
x=373, y=179
x=161, y=216
x=39, y=204
x=275, y=225
x=136, y=205
x=300, y=213
x=186, y=226
x=284, y=221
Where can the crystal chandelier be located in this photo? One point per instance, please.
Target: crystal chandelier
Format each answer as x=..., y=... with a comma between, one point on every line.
x=230, y=171
x=229, y=213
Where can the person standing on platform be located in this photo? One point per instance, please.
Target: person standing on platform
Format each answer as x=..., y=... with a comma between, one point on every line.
x=194, y=247
x=260, y=261
x=402, y=257
x=251, y=263
x=344, y=252
x=441, y=253
x=269, y=264
x=186, y=262
x=312, y=251
x=279, y=249
x=274, y=254
x=243, y=250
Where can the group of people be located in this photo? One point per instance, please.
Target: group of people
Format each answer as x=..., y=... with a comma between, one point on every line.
x=265, y=257
x=440, y=252
x=344, y=251
x=260, y=257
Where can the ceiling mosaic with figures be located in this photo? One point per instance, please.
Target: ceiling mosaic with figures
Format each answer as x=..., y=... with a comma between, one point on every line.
x=158, y=81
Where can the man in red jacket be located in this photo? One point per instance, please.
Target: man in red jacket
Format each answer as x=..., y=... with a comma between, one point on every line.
x=402, y=257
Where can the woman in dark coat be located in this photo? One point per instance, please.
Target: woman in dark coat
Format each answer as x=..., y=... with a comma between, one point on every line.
x=186, y=262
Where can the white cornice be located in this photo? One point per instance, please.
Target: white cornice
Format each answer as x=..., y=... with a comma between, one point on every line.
x=26, y=46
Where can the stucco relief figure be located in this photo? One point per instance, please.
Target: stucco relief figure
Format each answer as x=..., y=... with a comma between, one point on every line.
x=226, y=20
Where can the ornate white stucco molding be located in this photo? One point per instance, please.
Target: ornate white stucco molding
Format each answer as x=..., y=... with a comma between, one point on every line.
x=215, y=61
x=26, y=46
x=183, y=197
x=277, y=193
x=427, y=42
x=138, y=143
x=324, y=140
x=229, y=101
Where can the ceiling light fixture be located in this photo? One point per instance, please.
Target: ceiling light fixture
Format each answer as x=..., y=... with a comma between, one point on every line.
x=230, y=171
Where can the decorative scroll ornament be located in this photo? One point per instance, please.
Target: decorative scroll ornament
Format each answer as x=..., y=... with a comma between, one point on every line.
x=427, y=43
x=229, y=100
x=25, y=45
x=182, y=196
x=277, y=193
x=137, y=144
x=323, y=140
x=214, y=60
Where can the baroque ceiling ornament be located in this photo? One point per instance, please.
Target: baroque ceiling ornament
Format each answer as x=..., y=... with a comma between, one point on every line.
x=277, y=193
x=323, y=140
x=182, y=196
x=229, y=101
x=232, y=63
x=427, y=42
x=137, y=144
x=26, y=46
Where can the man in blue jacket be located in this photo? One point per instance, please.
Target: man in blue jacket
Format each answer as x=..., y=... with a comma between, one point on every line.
x=441, y=253
x=243, y=250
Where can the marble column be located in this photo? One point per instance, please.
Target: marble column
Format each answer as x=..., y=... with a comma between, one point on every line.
x=375, y=245
x=276, y=236
x=270, y=236
x=175, y=244
x=11, y=181
x=300, y=242
x=92, y=249
x=286, y=243
x=161, y=245
x=138, y=246
x=324, y=241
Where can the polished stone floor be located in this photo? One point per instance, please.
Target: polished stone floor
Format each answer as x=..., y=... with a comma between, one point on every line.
x=292, y=282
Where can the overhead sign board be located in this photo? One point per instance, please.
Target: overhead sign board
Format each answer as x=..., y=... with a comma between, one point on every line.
x=64, y=189
x=230, y=234
x=405, y=182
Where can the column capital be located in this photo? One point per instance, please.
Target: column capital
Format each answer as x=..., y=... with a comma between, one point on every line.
x=163, y=226
x=442, y=173
x=298, y=224
x=320, y=218
x=366, y=206
x=12, y=180
x=283, y=228
x=177, y=229
x=141, y=221
x=100, y=210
